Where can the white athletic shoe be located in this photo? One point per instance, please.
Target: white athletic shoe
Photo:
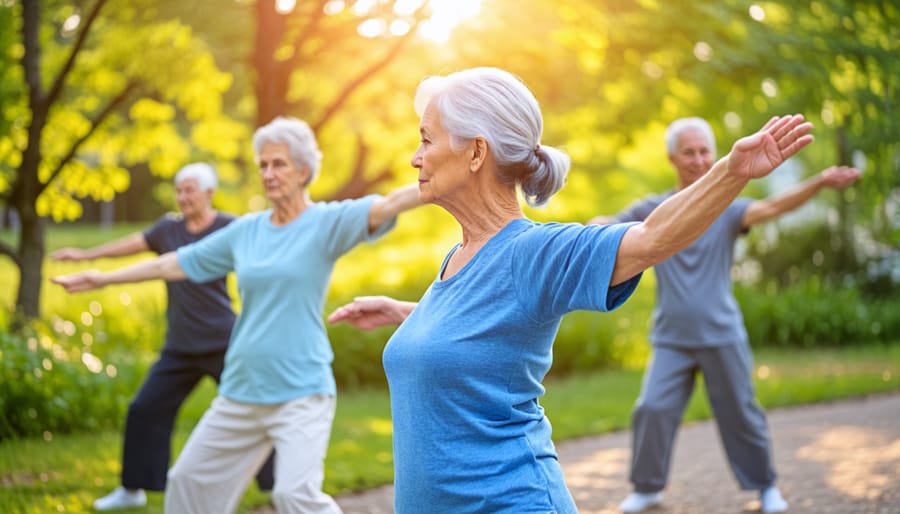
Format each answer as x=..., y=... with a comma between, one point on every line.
x=121, y=498
x=771, y=501
x=639, y=502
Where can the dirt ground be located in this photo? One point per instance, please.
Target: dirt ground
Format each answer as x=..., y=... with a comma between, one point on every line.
x=832, y=458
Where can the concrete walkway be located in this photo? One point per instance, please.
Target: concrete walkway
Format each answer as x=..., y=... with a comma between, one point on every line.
x=832, y=458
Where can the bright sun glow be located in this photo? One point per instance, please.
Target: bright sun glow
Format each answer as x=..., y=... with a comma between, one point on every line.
x=285, y=6
x=446, y=15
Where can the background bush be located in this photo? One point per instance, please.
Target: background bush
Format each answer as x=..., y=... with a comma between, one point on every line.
x=49, y=386
x=78, y=369
x=813, y=313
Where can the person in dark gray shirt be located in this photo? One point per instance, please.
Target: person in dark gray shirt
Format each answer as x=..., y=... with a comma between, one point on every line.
x=698, y=326
x=199, y=322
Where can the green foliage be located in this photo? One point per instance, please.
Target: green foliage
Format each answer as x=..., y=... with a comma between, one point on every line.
x=51, y=386
x=783, y=253
x=176, y=81
x=813, y=312
x=589, y=341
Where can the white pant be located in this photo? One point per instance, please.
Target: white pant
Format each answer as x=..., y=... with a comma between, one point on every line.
x=231, y=442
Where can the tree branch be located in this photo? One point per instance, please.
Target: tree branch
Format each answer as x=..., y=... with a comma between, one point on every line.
x=360, y=80
x=95, y=123
x=309, y=29
x=368, y=72
x=358, y=185
x=56, y=89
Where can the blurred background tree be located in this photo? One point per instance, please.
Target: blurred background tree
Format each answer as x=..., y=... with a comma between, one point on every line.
x=86, y=93
x=97, y=94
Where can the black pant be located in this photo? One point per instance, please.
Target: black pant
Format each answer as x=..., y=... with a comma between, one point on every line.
x=151, y=417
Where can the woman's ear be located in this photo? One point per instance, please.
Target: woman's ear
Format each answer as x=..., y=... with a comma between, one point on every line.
x=479, y=154
x=305, y=176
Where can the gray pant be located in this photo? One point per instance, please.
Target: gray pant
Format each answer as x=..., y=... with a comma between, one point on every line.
x=667, y=387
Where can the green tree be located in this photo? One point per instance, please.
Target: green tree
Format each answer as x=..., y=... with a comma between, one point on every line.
x=738, y=63
x=87, y=92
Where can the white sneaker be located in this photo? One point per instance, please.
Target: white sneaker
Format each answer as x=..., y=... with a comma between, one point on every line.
x=771, y=501
x=639, y=502
x=121, y=498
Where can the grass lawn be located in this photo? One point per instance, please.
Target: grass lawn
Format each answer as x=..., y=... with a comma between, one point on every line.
x=65, y=473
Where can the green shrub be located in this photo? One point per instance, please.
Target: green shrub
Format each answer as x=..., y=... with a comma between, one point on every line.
x=51, y=386
x=811, y=312
x=50, y=382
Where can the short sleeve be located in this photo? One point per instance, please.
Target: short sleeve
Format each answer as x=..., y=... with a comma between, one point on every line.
x=155, y=235
x=734, y=215
x=348, y=222
x=570, y=266
x=210, y=258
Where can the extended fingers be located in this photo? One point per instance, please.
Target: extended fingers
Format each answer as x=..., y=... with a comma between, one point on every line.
x=772, y=121
x=795, y=145
x=791, y=133
x=62, y=280
x=341, y=314
x=783, y=125
x=842, y=176
x=68, y=282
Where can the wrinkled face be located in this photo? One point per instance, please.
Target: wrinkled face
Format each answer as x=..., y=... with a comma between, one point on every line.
x=442, y=171
x=281, y=179
x=192, y=201
x=692, y=158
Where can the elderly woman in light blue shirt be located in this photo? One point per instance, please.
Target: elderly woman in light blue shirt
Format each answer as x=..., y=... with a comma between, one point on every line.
x=277, y=387
x=465, y=365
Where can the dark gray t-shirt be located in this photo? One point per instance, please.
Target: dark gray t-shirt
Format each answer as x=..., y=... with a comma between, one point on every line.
x=695, y=304
x=199, y=316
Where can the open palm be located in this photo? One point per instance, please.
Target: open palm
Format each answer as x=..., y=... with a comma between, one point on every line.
x=369, y=312
x=758, y=154
x=78, y=282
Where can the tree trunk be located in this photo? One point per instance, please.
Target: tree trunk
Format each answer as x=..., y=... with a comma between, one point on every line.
x=272, y=78
x=31, y=258
x=26, y=187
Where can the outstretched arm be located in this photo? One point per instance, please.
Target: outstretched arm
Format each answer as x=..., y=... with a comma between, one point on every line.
x=835, y=177
x=393, y=204
x=128, y=245
x=681, y=219
x=369, y=312
x=164, y=267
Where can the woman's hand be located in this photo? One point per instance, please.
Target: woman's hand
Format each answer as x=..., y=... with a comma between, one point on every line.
x=839, y=177
x=82, y=281
x=758, y=154
x=68, y=254
x=370, y=312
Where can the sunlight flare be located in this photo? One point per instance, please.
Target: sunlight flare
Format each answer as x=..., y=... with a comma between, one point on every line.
x=447, y=14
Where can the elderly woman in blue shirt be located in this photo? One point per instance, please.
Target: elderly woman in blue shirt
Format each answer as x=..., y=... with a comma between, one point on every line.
x=466, y=363
x=277, y=387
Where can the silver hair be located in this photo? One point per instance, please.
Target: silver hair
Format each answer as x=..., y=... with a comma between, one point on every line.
x=498, y=106
x=299, y=138
x=682, y=125
x=202, y=172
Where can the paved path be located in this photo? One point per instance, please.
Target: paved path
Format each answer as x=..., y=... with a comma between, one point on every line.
x=832, y=458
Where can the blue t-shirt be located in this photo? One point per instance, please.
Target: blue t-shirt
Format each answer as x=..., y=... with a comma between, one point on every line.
x=465, y=371
x=279, y=350
x=198, y=316
x=695, y=304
